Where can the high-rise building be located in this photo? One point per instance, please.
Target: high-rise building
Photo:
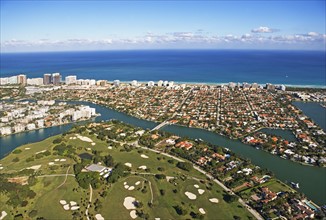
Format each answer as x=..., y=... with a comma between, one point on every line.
x=134, y=83
x=270, y=86
x=47, y=79
x=150, y=83
x=160, y=83
x=22, y=79
x=56, y=78
x=71, y=80
x=116, y=82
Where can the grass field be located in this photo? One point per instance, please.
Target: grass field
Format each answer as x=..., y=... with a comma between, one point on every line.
x=48, y=195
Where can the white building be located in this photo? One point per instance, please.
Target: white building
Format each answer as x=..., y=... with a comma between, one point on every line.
x=160, y=83
x=116, y=82
x=165, y=83
x=50, y=102
x=150, y=83
x=4, y=81
x=35, y=81
x=5, y=130
x=31, y=126
x=134, y=83
x=171, y=83
x=40, y=123
x=19, y=128
x=12, y=80
x=282, y=87
x=232, y=85
x=83, y=112
x=71, y=80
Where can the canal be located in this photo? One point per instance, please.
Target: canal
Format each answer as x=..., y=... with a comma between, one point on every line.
x=312, y=179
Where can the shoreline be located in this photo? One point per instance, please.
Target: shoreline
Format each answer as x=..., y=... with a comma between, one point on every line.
x=226, y=83
x=37, y=129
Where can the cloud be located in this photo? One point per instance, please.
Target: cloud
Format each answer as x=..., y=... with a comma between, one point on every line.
x=264, y=30
x=173, y=40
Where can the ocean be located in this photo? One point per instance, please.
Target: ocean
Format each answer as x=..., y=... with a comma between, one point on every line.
x=300, y=68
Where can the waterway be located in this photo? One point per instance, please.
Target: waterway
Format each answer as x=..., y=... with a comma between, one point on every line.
x=315, y=111
x=286, y=134
x=312, y=179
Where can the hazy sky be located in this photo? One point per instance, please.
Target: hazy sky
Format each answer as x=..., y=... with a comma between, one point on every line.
x=105, y=25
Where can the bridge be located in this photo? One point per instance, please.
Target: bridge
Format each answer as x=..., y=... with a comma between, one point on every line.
x=161, y=125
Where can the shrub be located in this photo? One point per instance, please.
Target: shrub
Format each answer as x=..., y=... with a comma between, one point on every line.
x=16, y=159
x=17, y=151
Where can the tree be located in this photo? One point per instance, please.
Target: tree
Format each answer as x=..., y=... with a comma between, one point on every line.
x=180, y=210
x=184, y=166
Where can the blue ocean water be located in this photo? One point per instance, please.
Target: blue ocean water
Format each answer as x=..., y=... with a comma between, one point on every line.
x=210, y=66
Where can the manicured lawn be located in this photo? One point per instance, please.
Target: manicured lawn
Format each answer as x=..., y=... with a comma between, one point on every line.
x=48, y=205
x=48, y=195
x=163, y=204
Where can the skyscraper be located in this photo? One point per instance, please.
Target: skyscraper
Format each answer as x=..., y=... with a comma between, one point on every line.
x=47, y=79
x=56, y=78
x=22, y=79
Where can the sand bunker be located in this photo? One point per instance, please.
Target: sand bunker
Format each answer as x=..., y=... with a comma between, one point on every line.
x=201, y=191
x=88, y=148
x=74, y=208
x=36, y=167
x=202, y=211
x=137, y=183
x=72, y=203
x=126, y=186
x=143, y=167
x=42, y=151
x=27, y=148
x=93, y=144
x=125, y=183
x=191, y=196
x=128, y=202
x=1, y=168
x=66, y=207
x=133, y=214
x=86, y=139
x=128, y=164
x=3, y=214
x=63, y=202
x=62, y=160
x=213, y=200
x=56, y=160
x=196, y=186
x=51, y=163
x=131, y=188
x=99, y=217
x=110, y=148
x=144, y=156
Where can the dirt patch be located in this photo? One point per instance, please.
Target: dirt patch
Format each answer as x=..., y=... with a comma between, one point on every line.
x=23, y=180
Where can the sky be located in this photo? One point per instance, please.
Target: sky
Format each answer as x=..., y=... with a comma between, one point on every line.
x=28, y=26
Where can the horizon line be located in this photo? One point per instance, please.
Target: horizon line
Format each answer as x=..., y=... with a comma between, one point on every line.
x=168, y=49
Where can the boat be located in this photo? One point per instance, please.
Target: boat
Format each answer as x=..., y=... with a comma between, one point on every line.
x=295, y=185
